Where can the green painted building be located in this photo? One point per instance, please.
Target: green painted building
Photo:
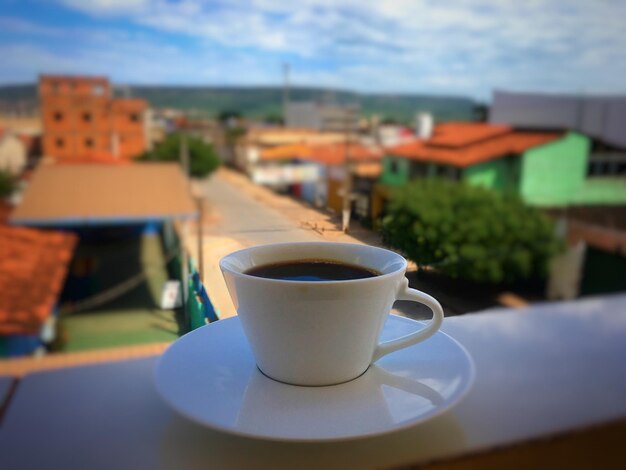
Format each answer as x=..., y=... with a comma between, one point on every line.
x=544, y=170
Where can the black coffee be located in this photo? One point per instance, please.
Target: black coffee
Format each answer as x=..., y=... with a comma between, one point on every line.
x=312, y=270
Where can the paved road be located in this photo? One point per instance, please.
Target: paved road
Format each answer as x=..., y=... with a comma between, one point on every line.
x=239, y=216
x=250, y=222
x=235, y=220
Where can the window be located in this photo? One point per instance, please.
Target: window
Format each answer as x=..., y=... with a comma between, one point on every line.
x=87, y=117
x=134, y=117
x=55, y=87
x=418, y=170
x=394, y=167
x=89, y=142
x=60, y=143
x=607, y=164
x=454, y=173
x=58, y=116
x=97, y=90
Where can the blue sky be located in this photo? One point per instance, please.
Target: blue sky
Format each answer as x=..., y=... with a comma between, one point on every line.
x=459, y=47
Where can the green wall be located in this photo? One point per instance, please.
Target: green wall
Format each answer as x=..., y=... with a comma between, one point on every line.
x=604, y=190
x=552, y=174
x=398, y=177
x=501, y=174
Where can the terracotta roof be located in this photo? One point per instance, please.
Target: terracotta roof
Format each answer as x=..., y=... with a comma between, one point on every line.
x=328, y=154
x=335, y=154
x=475, y=143
x=460, y=134
x=33, y=266
x=78, y=195
x=286, y=152
x=368, y=169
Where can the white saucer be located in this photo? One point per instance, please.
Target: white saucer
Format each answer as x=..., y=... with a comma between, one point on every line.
x=210, y=377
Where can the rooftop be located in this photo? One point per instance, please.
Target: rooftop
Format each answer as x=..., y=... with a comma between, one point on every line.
x=33, y=266
x=464, y=144
x=100, y=194
x=328, y=154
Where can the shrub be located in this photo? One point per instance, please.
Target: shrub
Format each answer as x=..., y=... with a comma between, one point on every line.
x=203, y=159
x=469, y=232
x=7, y=184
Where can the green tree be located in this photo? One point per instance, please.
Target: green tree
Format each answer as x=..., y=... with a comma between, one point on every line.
x=469, y=232
x=7, y=184
x=203, y=159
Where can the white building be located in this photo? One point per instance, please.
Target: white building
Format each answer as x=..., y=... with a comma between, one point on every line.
x=322, y=117
x=13, y=153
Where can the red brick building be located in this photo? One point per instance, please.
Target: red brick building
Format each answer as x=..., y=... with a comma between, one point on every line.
x=82, y=121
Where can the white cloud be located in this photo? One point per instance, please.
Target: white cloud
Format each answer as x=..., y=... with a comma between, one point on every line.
x=460, y=46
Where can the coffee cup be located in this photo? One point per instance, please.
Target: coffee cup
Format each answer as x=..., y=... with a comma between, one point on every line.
x=314, y=332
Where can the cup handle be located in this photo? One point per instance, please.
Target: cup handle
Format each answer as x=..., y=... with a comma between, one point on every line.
x=406, y=293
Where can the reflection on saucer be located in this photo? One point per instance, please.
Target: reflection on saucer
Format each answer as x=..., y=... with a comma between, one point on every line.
x=210, y=377
x=378, y=396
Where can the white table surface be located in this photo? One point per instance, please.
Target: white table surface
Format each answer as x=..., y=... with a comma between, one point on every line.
x=538, y=371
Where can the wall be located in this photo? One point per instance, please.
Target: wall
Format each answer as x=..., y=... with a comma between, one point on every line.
x=501, y=174
x=395, y=171
x=601, y=191
x=13, y=157
x=129, y=126
x=82, y=121
x=553, y=173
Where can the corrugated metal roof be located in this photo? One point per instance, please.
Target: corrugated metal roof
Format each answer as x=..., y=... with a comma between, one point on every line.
x=601, y=117
x=96, y=194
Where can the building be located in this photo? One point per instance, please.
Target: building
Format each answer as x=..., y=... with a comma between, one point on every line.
x=82, y=121
x=321, y=116
x=546, y=169
x=317, y=172
x=83, y=195
x=13, y=153
x=33, y=268
x=554, y=170
x=601, y=118
x=248, y=149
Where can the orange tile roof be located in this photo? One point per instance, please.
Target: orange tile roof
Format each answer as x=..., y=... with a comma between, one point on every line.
x=33, y=266
x=460, y=134
x=328, y=154
x=473, y=143
x=286, y=152
x=335, y=154
x=368, y=169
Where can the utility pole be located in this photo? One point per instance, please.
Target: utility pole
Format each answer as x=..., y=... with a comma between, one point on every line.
x=285, y=91
x=347, y=177
x=184, y=158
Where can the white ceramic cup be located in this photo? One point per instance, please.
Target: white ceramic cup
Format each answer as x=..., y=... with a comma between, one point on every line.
x=321, y=333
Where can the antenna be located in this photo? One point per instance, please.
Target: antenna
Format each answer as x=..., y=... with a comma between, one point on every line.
x=285, y=90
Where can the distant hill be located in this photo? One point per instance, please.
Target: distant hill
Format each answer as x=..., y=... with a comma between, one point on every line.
x=264, y=101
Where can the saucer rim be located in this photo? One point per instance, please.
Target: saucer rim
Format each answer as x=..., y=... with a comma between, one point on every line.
x=471, y=378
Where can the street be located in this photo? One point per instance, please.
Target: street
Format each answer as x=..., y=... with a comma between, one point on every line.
x=239, y=214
